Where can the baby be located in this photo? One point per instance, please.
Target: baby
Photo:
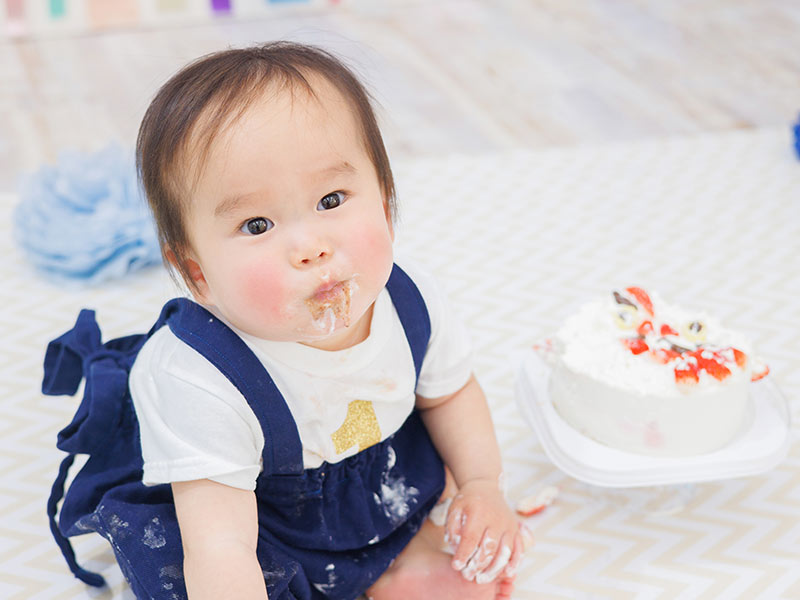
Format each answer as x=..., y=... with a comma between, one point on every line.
x=349, y=412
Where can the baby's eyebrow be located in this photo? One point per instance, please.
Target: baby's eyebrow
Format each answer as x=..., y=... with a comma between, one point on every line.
x=228, y=205
x=343, y=167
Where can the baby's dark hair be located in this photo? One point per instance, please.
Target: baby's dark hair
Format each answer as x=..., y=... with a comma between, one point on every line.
x=219, y=88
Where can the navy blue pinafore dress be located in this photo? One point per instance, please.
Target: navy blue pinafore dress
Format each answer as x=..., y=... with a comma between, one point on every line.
x=328, y=532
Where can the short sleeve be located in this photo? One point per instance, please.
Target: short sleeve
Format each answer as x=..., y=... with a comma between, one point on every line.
x=194, y=423
x=448, y=362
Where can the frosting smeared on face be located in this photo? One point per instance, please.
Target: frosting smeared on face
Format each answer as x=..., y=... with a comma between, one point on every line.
x=331, y=302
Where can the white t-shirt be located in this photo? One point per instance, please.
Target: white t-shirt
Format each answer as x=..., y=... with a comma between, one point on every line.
x=195, y=424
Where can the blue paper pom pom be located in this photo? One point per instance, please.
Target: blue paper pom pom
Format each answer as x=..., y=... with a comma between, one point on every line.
x=86, y=218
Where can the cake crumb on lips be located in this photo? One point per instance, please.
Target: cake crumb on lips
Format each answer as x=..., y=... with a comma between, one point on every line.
x=331, y=299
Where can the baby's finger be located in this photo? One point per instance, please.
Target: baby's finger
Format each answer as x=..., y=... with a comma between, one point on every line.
x=468, y=544
x=496, y=569
x=482, y=557
x=516, y=556
x=501, y=558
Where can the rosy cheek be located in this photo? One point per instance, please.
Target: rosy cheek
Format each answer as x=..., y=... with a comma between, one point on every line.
x=373, y=246
x=379, y=253
x=265, y=291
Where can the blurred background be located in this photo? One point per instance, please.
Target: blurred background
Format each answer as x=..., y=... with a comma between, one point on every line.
x=451, y=76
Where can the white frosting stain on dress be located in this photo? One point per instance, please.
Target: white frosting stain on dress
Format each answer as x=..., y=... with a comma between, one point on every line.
x=326, y=588
x=395, y=496
x=154, y=534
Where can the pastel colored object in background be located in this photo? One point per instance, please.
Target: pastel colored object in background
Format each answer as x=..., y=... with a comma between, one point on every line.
x=171, y=6
x=15, y=15
x=86, y=218
x=57, y=8
x=103, y=14
x=221, y=6
x=15, y=9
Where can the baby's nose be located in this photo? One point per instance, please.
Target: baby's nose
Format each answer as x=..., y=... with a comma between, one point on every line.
x=312, y=251
x=320, y=256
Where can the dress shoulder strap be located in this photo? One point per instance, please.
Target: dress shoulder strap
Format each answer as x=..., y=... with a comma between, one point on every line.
x=224, y=349
x=413, y=313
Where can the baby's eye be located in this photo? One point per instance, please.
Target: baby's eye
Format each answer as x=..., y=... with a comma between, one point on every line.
x=256, y=226
x=330, y=201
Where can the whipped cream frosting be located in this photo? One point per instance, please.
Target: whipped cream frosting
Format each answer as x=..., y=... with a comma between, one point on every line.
x=593, y=342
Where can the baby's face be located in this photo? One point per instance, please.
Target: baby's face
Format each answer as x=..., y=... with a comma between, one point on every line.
x=290, y=234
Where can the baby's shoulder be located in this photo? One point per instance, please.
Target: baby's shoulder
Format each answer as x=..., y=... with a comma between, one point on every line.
x=167, y=371
x=164, y=355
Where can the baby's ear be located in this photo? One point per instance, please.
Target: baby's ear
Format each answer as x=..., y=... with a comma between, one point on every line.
x=389, y=220
x=193, y=275
x=197, y=283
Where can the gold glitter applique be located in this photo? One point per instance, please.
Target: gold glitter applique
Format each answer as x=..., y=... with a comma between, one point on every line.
x=360, y=427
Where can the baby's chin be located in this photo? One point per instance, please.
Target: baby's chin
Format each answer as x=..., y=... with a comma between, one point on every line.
x=319, y=330
x=330, y=331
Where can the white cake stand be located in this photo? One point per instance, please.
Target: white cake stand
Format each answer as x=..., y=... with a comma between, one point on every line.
x=759, y=447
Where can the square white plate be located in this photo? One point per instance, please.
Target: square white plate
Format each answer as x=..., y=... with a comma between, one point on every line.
x=756, y=449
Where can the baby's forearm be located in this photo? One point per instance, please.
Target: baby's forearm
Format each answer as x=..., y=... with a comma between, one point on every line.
x=225, y=571
x=462, y=431
x=219, y=530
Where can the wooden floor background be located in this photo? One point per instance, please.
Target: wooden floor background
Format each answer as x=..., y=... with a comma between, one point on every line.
x=451, y=76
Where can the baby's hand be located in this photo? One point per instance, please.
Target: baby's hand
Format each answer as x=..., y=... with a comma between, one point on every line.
x=484, y=533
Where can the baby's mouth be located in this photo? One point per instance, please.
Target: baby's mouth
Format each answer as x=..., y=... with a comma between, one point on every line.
x=333, y=297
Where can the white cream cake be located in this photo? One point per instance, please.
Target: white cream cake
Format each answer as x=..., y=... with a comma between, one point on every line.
x=640, y=375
